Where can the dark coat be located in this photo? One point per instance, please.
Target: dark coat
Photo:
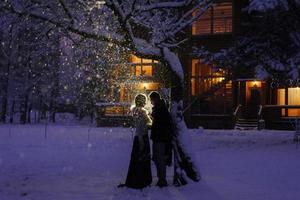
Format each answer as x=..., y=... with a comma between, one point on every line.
x=161, y=129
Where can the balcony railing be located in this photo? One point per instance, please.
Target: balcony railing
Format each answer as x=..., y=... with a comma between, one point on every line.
x=279, y=116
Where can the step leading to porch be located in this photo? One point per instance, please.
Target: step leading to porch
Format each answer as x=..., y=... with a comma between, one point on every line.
x=246, y=124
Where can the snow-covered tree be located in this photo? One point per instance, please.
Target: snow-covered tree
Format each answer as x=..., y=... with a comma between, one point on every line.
x=150, y=28
x=96, y=65
x=39, y=72
x=26, y=58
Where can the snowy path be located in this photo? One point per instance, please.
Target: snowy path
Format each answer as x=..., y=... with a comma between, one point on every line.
x=71, y=164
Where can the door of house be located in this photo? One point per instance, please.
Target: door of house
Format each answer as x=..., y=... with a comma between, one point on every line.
x=253, y=103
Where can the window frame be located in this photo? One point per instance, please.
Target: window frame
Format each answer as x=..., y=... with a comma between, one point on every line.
x=212, y=21
x=200, y=78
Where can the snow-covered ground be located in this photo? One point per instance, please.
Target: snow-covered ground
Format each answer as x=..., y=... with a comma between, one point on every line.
x=82, y=163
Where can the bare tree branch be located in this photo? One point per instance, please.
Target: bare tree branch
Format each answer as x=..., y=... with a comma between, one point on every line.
x=106, y=37
x=66, y=10
x=187, y=20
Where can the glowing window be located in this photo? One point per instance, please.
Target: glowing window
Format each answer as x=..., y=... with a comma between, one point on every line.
x=141, y=66
x=204, y=77
x=293, y=98
x=138, y=70
x=147, y=70
x=144, y=70
x=194, y=66
x=281, y=97
x=147, y=60
x=135, y=59
x=193, y=88
x=217, y=19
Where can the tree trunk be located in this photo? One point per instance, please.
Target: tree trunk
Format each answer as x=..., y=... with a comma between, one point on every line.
x=4, y=108
x=40, y=109
x=12, y=112
x=4, y=102
x=6, y=80
x=29, y=113
x=183, y=160
x=5, y=94
x=54, y=96
x=92, y=117
x=54, y=93
x=24, y=108
x=52, y=110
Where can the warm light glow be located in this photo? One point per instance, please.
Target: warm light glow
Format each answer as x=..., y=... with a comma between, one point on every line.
x=254, y=84
x=294, y=96
x=122, y=93
x=146, y=60
x=293, y=99
x=138, y=60
x=204, y=77
x=280, y=96
x=193, y=88
x=194, y=66
x=147, y=70
x=147, y=86
x=135, y=59
x=281, y=99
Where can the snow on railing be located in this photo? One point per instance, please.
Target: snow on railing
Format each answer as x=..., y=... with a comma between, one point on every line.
x=260, y=121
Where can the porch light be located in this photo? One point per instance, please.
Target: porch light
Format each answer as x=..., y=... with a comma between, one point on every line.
x=255, y=84
x=145, y=86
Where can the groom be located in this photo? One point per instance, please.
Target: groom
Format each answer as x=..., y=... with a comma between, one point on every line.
x=161, y=131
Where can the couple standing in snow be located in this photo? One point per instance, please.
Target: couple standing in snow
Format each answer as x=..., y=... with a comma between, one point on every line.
x=139, y=172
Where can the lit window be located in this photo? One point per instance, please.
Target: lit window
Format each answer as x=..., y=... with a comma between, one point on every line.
x=141, y=66
x=293, y=98
x=193, y=88
x=281, y=97
x=217, y=19
x=135, y=59
x=147, y=70
x=204, y=77
x=142, y=70
x=147, y=60
x=138, y=70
